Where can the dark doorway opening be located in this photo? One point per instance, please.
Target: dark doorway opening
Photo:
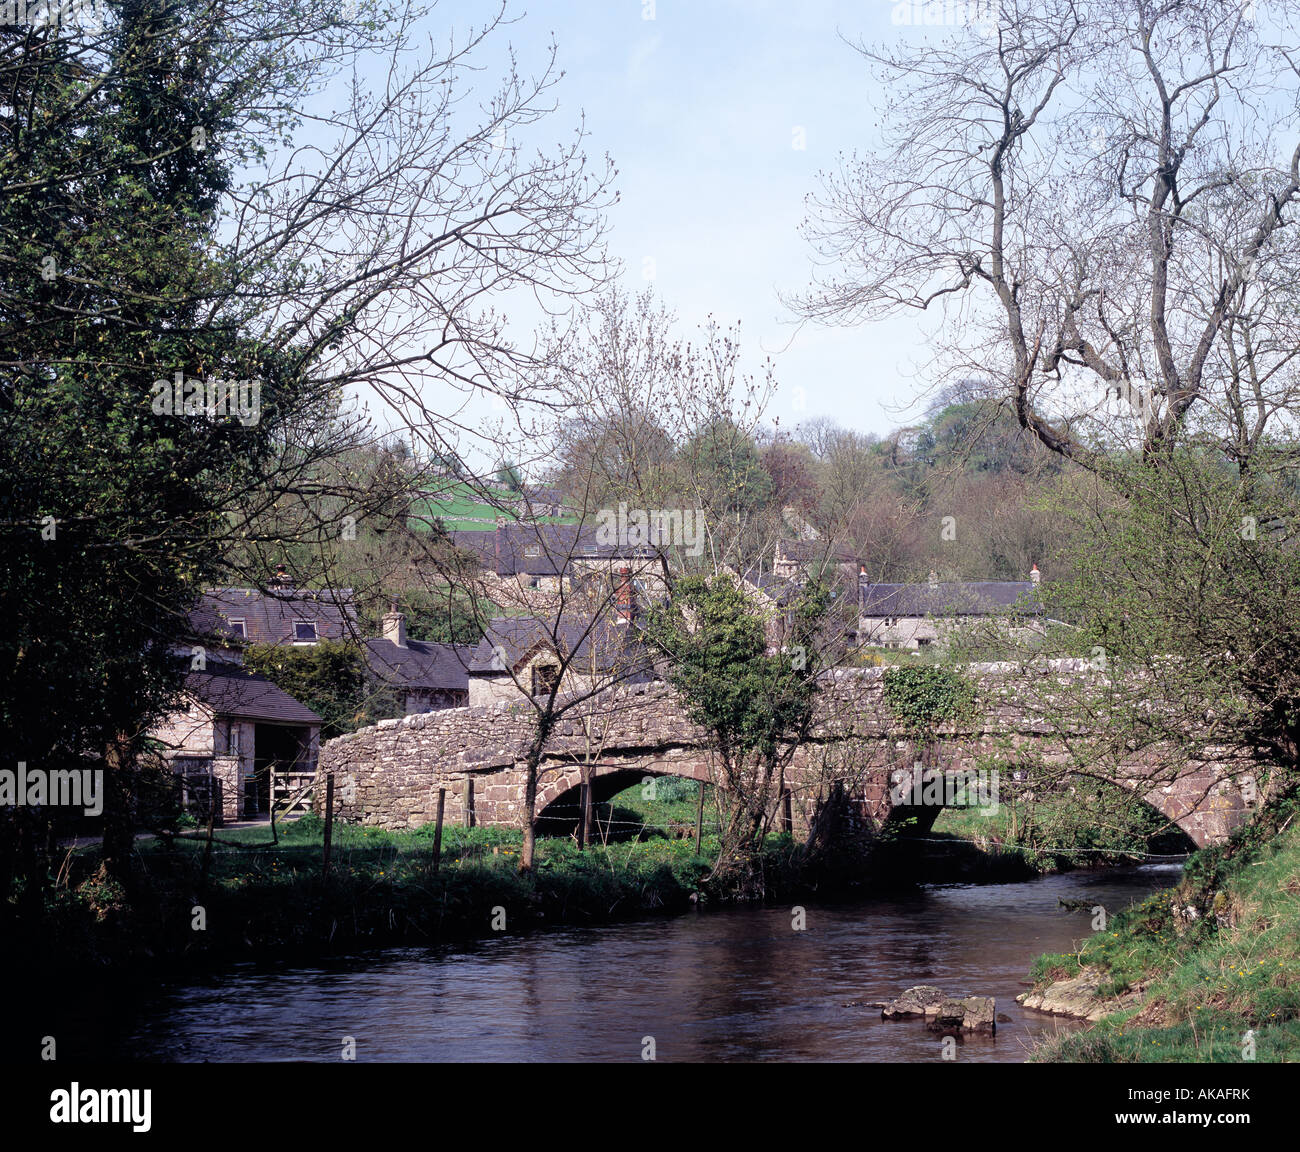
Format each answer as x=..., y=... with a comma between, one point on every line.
x=274, y=746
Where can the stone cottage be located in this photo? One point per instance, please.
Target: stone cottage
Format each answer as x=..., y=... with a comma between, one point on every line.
x=580, y=652
x=920, y=615
x=425, y=676
x=238, y=741
x=536, y=567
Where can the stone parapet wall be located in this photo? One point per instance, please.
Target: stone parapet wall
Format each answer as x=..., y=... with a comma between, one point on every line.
x=389, y=775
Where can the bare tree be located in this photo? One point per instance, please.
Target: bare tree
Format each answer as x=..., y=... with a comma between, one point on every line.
x=1101, y=198
x=659, y=422
x=558, y=651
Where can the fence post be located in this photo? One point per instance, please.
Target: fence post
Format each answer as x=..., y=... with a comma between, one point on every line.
x=329, y=820
x=699, y=820
x=437, y=836
x=584, y=810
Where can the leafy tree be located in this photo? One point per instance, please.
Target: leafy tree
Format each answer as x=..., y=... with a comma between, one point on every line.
x=329, y=677
x=755, y=706
x=509, y=476
x=726, y=464
x=106, y=218
x=1182, y=597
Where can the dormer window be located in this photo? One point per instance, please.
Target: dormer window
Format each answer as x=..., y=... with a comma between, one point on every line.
x=237, y=627
x=304, y=632
x=533, y=551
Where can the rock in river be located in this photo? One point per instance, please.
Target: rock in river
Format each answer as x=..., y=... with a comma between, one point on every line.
x=945, y=1013
x=921, y=1000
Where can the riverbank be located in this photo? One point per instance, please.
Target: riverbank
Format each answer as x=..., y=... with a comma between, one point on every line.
x=258, y=898
x=747, y=983
x=382, y=889
x=1208, y=972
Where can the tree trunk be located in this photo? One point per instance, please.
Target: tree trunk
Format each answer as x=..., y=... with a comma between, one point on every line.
x=545, y=723
x=584, y=809
x=529, y=851
x=119, y=810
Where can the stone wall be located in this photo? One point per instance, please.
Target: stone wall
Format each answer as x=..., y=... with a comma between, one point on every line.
x=389, y=775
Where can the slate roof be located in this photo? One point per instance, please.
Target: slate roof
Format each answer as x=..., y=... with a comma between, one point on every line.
x=958, y=598
x=816, y=551
x=230, y=690
x=269, y=617
x=422, y=664
x=778, y=588
x=505, y=550
x=604, y=644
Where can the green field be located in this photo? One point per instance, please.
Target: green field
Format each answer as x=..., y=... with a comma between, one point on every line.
x=461, y=508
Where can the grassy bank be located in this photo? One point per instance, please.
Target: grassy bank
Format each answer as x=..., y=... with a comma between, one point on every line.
x=1216, y=958
x=382, y=889
x=250, y=896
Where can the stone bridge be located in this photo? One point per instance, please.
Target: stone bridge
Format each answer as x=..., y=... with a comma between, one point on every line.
x=389, y=775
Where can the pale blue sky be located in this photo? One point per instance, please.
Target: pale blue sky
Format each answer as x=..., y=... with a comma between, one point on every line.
x=719, y=115
x=701, y=109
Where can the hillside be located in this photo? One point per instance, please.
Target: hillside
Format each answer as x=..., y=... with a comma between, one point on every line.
x=462, y=508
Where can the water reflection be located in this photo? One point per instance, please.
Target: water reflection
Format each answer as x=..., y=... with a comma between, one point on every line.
x=735, y=985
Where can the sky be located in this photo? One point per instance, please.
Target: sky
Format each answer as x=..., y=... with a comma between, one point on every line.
x=719, y=115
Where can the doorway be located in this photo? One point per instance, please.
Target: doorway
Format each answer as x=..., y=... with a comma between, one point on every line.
x=274, y=746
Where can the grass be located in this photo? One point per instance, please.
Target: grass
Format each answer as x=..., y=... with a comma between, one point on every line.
x=1216, y=1038
x=461, y=510
x=381, y=890
x=1052, y=835
x=666, y=808
x=1231, y=966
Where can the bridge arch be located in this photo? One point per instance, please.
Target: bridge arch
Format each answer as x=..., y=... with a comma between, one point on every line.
x=559, y=799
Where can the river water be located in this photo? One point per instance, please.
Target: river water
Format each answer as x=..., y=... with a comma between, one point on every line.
x=729, y=985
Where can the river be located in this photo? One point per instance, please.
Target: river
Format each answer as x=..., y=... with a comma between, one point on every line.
x=736, y=984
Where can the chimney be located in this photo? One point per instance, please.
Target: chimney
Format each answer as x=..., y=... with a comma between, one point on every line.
x=934, y=578
x=281, y=579
x=1035, y=575
x=862, y=569
x=395, y=627
x=624, y=605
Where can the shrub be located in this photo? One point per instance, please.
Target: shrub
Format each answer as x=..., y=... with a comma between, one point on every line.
x=925, y=697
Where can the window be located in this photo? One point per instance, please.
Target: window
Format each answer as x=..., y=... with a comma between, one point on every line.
x=533, y=550
x=304, y=632
x=545, y=678
x=589, y=549
x=237, y=627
